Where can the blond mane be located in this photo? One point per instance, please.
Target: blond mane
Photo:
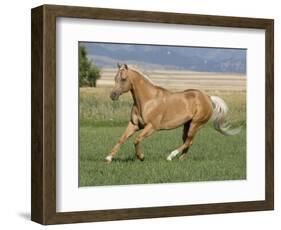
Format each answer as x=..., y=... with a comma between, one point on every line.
x=142, y=74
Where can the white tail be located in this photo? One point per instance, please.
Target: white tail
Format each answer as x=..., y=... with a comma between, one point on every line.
x=220, y=110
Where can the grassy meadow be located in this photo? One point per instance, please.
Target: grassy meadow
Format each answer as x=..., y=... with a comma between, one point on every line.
x=212, y=157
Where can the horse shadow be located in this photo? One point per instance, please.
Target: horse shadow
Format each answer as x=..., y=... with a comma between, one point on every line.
x=125, y=159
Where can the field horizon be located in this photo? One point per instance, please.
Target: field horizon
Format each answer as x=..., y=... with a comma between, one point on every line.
x=182, y=79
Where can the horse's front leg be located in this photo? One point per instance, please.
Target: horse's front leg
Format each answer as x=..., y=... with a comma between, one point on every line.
x=130, y=130
x=147, y=131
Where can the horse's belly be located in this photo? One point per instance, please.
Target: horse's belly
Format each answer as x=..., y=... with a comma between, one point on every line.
x=175, y=118
x=169, y=114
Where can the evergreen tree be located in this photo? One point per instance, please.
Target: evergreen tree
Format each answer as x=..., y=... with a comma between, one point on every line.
x=88, y=72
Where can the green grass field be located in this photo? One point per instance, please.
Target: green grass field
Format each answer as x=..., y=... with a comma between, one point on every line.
x=212, y=157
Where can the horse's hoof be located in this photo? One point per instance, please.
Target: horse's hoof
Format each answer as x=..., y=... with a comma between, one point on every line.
x=140, y=157
x=108, y=159
x=169, y=158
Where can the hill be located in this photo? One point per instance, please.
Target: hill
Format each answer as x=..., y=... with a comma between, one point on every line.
x=169, y=57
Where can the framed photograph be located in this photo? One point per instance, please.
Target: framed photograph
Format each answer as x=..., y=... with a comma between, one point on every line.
x=140, y=114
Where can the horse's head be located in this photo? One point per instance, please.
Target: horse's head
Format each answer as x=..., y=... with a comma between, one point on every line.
x=122, y=82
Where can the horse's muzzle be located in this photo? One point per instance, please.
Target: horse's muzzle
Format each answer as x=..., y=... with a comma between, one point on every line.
x=114, y=95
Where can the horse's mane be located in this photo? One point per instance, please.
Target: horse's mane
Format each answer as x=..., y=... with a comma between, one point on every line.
x=145, y=77
x=142, y=74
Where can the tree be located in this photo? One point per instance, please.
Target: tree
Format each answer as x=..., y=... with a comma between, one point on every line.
x=88, y=72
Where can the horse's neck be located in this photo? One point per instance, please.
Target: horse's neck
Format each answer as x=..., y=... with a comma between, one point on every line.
x=142, y=90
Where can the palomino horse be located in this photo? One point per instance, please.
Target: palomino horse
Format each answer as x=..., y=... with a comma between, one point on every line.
x=156, y=108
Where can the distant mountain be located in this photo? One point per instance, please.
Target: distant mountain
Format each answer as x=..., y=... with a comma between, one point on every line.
x=169, y=57
x=107, y=62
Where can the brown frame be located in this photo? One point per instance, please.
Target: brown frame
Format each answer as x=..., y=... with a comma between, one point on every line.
x=43, y=157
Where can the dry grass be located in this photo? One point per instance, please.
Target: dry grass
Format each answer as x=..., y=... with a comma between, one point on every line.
x=96, y=106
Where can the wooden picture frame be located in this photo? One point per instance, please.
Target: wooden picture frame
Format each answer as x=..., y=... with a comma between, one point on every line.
x=43, y=160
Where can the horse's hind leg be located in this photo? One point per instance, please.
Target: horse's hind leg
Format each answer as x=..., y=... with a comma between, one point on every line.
x=184, y=136
x=191, y=131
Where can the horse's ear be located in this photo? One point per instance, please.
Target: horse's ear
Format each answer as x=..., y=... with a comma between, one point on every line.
x=124, y=75
x=118, y=65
